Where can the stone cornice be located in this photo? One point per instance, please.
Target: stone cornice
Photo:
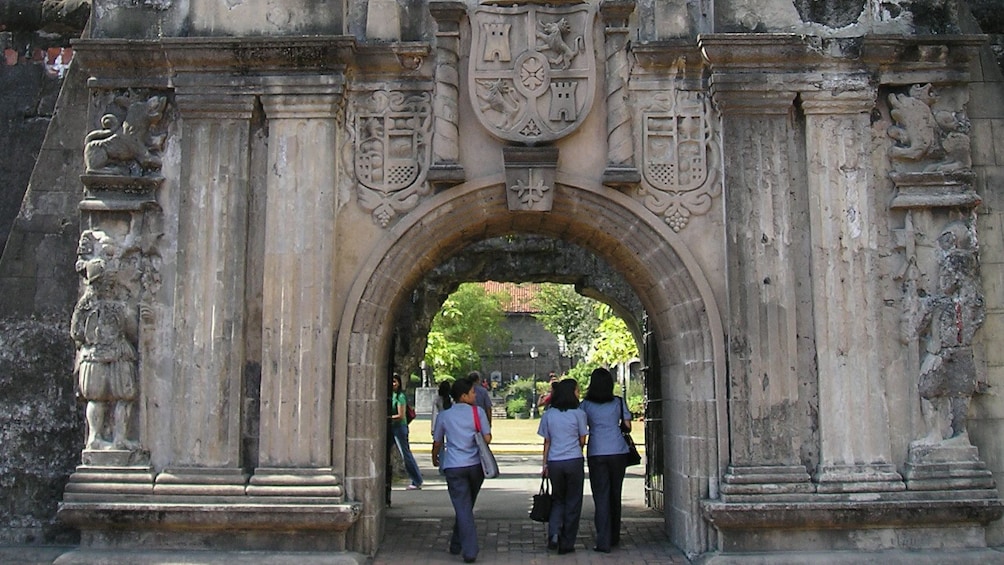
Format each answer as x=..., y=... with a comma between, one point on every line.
x=888, y=59
x=898, y=59
x=241, y=62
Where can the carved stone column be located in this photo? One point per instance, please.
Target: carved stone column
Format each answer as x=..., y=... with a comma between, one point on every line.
x=620, y=138
x=298, y=312
x=766, y=431
x=209, y=310
x=446, y=168
x=853, y=417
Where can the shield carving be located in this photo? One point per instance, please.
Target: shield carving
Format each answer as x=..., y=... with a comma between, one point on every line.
x=532, y=70
x=392, y=151
x=679, y=146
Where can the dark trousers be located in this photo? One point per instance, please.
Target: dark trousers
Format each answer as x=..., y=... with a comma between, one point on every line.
x=464, y=484
x=566, y=500
x=606, y=478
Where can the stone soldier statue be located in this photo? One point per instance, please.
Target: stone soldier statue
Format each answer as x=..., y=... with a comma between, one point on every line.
x=948, y=377
x=104, y=328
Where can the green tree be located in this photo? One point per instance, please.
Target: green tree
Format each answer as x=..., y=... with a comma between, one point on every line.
x=469, y=324
x=613, y=342
x=566, y=313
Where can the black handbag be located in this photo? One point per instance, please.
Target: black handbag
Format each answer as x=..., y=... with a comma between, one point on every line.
x=540, y=511
x=632, y=457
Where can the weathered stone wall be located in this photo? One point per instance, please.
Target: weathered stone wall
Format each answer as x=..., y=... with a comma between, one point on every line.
x=41, y=428
x=41, y=139
x=986, y=114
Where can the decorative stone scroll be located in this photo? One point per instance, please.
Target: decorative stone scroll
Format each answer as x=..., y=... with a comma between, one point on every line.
x=680, y=151
x=532, y=70
x=392, y=148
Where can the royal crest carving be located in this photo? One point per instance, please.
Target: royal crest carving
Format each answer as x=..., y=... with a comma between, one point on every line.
x=532, y=70
x=391, y=151
x=680, y=151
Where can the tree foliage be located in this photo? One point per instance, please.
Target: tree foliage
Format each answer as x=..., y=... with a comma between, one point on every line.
x=566, y=313
x=469, y=324
x=613, y=343
x=591, y=329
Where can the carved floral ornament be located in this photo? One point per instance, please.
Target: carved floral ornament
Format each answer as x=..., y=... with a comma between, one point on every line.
x=391, y=150
x=680, y=151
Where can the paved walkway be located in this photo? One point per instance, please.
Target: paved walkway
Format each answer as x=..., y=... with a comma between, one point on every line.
x=419, y=522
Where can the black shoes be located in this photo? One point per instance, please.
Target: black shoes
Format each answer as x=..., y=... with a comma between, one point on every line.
x=565, y=550
x=601, y=550
x=470, y=559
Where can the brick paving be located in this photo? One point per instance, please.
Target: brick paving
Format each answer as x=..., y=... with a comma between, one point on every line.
x=423, y=541
x=419, y=523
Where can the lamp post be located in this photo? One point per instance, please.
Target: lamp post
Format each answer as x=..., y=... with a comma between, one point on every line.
x=533, y=355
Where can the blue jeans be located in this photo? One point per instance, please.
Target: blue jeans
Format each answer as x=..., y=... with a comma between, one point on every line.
x=464, y=484
x=410, y=466
x=566, y=501
x=606, y=478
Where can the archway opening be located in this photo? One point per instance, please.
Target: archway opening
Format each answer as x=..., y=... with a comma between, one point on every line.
x=683, y=320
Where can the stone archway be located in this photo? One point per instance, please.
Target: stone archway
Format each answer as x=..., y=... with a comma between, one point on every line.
x=652, y=259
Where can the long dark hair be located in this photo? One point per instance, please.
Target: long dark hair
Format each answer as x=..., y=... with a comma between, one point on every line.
x=563, y=395
x=601, y=386
x=444, y=393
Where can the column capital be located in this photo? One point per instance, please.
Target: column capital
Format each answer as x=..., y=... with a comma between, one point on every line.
x=615, y=14
x=447, y=11
x=218, y=103
x=740, y=99
x=314, y=96
x=857, y=101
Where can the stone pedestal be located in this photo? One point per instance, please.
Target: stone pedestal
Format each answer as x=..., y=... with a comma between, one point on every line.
x=947, y=467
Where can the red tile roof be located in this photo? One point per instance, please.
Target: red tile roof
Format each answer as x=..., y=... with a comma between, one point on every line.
x=522, y=296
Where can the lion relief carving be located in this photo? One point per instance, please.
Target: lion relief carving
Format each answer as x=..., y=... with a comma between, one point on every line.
x=127, y=146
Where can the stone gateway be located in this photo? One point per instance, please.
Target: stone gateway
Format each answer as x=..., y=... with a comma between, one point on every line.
x=803, y=199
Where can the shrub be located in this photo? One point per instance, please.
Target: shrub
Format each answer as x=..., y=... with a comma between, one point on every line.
x=515, y=406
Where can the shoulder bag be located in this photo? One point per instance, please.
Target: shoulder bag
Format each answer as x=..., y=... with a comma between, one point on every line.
x=633, y=457
x=488, y=463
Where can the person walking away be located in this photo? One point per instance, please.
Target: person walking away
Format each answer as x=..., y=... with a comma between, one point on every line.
x=606, y=454
x=563, y=427
x=484, y=398
x=399, y=429
x=455, y=452
x=442, y=402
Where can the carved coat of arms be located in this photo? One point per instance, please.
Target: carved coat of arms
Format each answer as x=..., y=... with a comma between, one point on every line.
x=392, y=151
x=532, y=70
x=679, y=151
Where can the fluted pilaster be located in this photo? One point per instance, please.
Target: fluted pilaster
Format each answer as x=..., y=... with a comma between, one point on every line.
x=209, y=308
x=855, y=452
x=762, y=253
